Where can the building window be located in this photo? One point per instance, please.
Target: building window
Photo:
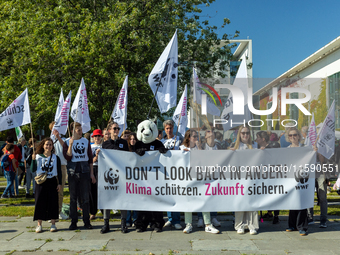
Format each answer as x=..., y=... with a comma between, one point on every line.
x=294, y=111
x=333, y=94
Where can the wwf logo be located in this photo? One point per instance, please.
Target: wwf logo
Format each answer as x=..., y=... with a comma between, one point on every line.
x=301, y=176
x=111, y=176
x=79, y=148
x=9, y=122
x=47, y=165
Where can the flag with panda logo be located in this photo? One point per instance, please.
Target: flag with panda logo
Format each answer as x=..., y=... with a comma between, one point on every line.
x=164, y=74
x=80, y=110
x=60, y=105
x=180, y=115
x=119, y=113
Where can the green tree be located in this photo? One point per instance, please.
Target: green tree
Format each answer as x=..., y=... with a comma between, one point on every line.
x=48, y=45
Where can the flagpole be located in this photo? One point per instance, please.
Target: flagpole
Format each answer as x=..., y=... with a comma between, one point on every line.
x=74, y=123
x=68, y=129
x=179, y=119
x=158, y=85
x=32, y=137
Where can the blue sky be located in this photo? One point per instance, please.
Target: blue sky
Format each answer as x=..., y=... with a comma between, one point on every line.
x=283, y=32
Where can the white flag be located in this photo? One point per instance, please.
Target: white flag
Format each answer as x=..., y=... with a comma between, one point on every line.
x=119, y=113
x=198, y=91
x=165, y=74
x=180, y=115
x=80, y=109
x=241, y=81
x=17, y=114
x=19, y=133
x=61, y=122
x=60, y=105
x=311, y=136
x=326, y=142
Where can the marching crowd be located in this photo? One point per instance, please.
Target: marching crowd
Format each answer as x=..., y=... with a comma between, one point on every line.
x=48, y=163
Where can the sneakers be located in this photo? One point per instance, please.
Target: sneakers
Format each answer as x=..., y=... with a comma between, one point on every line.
x=253, y=232
x=276, y=220
x=157, y=229
x=128, y=225
x=167, y=224
x=290, y=229
x=62, y=216
x=323, y=225
x=188, y=228
x=200, y=223
x=38, y=229
x=53, y=228
x=311, y=222
x=178, y=226
x=302, y=233
x=211, y=229
x=21, y=187
x=215, y=222
x=240, y=231
x=73, y=226
x=4, y=196
x=56, y=220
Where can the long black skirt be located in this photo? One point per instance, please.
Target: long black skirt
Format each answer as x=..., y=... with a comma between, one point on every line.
x=46, y=200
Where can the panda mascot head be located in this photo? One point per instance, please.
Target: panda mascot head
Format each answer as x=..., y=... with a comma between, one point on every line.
x=147, y=131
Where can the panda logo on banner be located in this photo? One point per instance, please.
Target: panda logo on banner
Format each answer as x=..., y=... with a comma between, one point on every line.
x=111, y=176
x=301, y=176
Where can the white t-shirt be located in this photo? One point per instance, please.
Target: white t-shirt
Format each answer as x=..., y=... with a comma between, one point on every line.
x=44, y=165
x=79, y=149
x=208, y=148
x=59, y=151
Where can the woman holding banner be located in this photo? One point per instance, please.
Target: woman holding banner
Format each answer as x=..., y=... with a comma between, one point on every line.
x=191, y=143
x=297, y=219
x=245, y=220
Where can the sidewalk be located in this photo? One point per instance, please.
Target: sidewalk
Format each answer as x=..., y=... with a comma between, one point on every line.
x=19, y=235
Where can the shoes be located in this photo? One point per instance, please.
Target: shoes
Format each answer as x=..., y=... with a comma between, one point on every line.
x=4, y=196
x=21, y=187
x=253, y=232
x=124, y=228
x=38, y=229
x=73, y=226
x=92, y=217
x=128, y=224
x=240, y=231
x=323, y=225
x=211, y=229
x=139, y=230
x=311, y=222
x=106, y=227
x=167, y=224
x=215, y=222
x=290, y=229
x=267, y=216
x=188, y=228
x=302, y=233
x=276, y=220
x=158, y=229
x=178, y=226
x=88, y=226
x=62, y=216
x=114, y=211
x=56, y=220
x=53, y=228
x=200, y=223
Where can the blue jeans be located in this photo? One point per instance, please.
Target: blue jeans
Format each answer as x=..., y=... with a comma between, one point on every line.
x=174, y=217
x=128, y=217
x=212, y=215
x=10, y=180
x=16, y=185
x=30, y=177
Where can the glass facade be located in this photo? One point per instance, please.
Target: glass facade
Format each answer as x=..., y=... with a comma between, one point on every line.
x=333, y=94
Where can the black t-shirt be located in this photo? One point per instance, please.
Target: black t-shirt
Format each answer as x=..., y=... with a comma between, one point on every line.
x=272, y=144
x=154, y=146
x=119, y=144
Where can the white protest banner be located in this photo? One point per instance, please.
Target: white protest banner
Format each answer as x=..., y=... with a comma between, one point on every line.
x=17, y=114
x=197, y=96
x=119, y=113
x=311, y=136
x=164, y=76
x=241, y=81
x=180, y=115
x=60, y=105
x=19, y=133
x=326, y=142
x=80, y=110
x=62, y=120
x=178, y=181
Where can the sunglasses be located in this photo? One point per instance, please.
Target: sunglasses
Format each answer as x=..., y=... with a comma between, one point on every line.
x=116, y=128
x=195, y=136
x=293, y=135
x=97, y=136
x=245, y=133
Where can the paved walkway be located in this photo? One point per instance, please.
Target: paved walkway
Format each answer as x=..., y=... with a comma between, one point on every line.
x=18, y=236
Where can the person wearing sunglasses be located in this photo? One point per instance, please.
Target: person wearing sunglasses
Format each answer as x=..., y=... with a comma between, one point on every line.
x=114, y=143
x=297, y=219
x=248, y=219
x=97, y=137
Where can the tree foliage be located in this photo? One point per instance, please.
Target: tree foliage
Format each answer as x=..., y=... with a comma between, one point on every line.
x=46, y=45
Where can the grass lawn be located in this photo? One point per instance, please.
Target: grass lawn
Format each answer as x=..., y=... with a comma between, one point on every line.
x=22, y=206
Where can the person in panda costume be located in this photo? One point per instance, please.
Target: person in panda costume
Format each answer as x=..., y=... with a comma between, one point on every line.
x=146, y=134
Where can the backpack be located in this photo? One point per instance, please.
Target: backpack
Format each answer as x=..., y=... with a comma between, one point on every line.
x=4, y=161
